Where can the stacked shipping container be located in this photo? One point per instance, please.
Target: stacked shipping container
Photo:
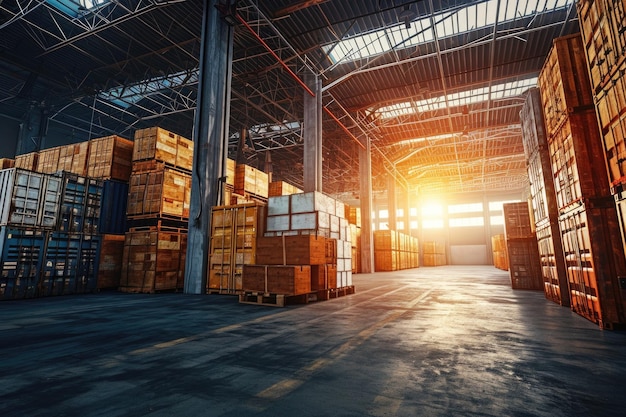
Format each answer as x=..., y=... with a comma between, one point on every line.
x=592, y=247
x=543, y=200
x=521, y=247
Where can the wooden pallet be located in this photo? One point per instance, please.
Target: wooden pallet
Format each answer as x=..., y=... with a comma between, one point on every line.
x=282, y=300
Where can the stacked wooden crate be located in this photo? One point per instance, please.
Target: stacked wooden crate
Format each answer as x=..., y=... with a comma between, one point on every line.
x=251, y=185
x=307, y=235
x=27, y=161
x=434, y=253
x=158, y=212
x=228, y=186
x=543, y=199
x=498, y=249
x=394, y=251
x=278, y=188
x=592, y=242
x=234, y=233
x=521, y=247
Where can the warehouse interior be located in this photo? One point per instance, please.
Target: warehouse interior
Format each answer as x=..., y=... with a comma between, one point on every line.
x=447, y=209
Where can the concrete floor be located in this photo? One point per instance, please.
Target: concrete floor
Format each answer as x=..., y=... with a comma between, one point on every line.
x=445, y=341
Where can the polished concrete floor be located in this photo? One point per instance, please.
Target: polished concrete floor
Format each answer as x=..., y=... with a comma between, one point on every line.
x=445, y=341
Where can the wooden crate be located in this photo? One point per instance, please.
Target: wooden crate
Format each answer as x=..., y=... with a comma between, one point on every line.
x=111, y=259
x=249, y=180
x=292, y=250
x=48, y=160
x=594, y=256
x=27, y=161
x=73, y=158
x=162, y=193
x=385, y=260
x=153, y=259
x=385, y=240
x=6, y=163
x=165, y=146
x=230, y=173
x=278, y=188
x=564, y=82
x=110, y=158
x=353, y=214
x=323, y=277
x=277, y=279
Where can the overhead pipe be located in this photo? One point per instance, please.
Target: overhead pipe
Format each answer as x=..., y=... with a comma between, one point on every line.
x=295, y=77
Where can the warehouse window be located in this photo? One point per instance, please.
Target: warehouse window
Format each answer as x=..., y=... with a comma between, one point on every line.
x=413, y=224
x=451, y=22
x=400, y=225
x=412, y=212
x=497, y=205
x=432, y=224
x=496, y=220
x=465, y=208
x=462, y=98
x=76, y=8
x=383, y=214
x=467, y=222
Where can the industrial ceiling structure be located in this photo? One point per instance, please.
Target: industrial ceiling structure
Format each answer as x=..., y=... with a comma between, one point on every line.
x=435, y=85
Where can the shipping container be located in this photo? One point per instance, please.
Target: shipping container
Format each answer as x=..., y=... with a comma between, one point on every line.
x=80, y=204
x=30, y=199
x=114, y=203
x=551, y=258
x=22, y=254
x=564, y=82
x=517, y=221
x=578, y=161
x=594, y=256
x=70, y=264
x=524, y=266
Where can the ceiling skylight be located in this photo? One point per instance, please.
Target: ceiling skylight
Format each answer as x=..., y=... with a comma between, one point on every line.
x=76, y=8
x=127, y=95
x=449, y=23
x=477, y=95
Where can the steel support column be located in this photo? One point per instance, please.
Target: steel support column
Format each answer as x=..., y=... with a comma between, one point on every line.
x=392, y=203
x=365, y=179
x=313, y=135
x=209, y=135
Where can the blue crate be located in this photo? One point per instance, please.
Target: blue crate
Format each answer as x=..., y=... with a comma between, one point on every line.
x=113, y=214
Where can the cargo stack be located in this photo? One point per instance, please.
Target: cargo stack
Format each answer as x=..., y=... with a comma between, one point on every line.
x=110, y=159
x=251, y=185
x=306, y=249
x=6, y=163
x=498, y=248
x=158, y=212
x=353, y=214
x=434, y=253
x=394, y=251
x=521, y=247
x=49, y=233
x=592, y=244
x=234, y=233
x=543, y=199
x=228, y=185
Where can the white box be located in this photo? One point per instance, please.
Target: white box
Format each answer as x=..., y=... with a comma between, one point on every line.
x=347, y=249
x=335, y=235
x=340, y=209
x=340, y=249
x=349, y=279
x=312, y=201
x=334, y=223
x=278, y=223
x=278, y=205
